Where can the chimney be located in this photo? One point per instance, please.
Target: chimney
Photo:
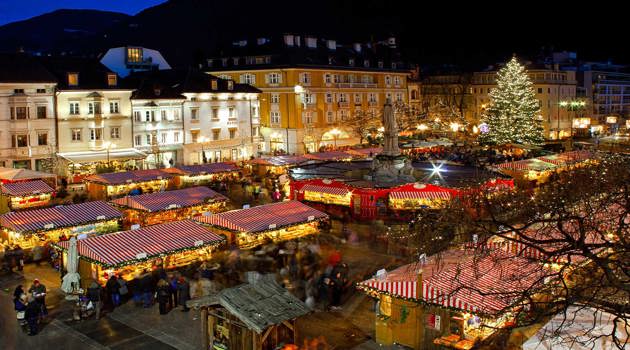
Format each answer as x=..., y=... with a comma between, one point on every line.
x=288, y=40
x=357, y=47
x=331, y=44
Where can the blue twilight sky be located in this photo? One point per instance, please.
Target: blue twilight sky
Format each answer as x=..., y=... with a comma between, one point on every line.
x=16, y=10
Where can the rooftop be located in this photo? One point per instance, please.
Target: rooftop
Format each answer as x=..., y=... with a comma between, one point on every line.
x=25, y=188
x=153, y=202
x=128, y=177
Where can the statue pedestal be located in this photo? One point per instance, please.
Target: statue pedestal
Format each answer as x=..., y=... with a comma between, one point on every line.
x=392, y=169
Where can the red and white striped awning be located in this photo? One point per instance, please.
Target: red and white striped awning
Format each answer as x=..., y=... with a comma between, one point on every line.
x=340, y=191
x=124, y=248
x=203, y=169
x=431, y=195
x=264, y=217
x=405, y=289
x=61, y=216
x=26, y=188
x=124, y=177
x=187, y=197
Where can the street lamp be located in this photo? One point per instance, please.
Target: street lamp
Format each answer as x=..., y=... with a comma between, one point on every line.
x=454, y=127
x=335, y=133
x=201, y=141
x=108, y=145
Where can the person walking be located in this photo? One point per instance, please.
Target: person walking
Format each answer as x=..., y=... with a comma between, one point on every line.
x=183, y=289
x=19, y=304
x=38, y=254
x=113, y=289
x=172, y=281
x=18, y=252
x=32, y=312
x=95, y=292
x=163, y=295
x=146, y=285
x=38, y=291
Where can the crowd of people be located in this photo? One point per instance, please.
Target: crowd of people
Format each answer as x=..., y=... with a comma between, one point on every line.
x=468, y=155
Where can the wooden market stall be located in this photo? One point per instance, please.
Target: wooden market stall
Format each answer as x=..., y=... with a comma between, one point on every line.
x=325, y=191
x=203, y=174
x=9, y=175
x=450, y=301
x=161, y=207
x=39, y=226
x=79, y=165
x=252, y=227
x=417, y=195
x=539, y=169
x=332, y=156
x=276, y=165
x=113, y=185
x=258, y=316
x=25, y=195
x=128, y=253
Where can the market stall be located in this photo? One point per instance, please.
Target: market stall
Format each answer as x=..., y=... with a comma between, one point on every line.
x=9, y=175
x=25, y=195
x=79, y=165
x=275, y=222
x=203, y=174
x=161, y=207
x=114, y=185
x=332, y=156
x=128, y=253
x=276, y=165
x=451, y=300
x=328, y=192
x=30, y=227
x=257, y=316
x=418, y=195
x=533, y=169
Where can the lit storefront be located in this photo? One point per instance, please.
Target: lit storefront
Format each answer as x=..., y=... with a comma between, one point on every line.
x=276, y=165
x=129, y=253
x=275, y=222
x=25, y=195
x=114, y=185
x=30, y=227
x=539, y=169
x=203, y=174
x=161, y=207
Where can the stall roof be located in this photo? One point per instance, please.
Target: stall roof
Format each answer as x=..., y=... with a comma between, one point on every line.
x=10, y=174
x=280, y=160
x=365, y=152
x=203, y=169
x=332, y=155
x=568, y=157
x=128, y=177
x=187, y=197
x=127, y=247
x=99, y=156
x=264, y=217
x=60, y=216
x=534, y=164
x=336, y=190
x=26, y=188
x=258, y=305
x=488, y=282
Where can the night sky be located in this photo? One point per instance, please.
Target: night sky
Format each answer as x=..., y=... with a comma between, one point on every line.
x=15, y=10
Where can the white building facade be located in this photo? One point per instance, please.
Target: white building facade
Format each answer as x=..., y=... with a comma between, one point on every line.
x=128, y=59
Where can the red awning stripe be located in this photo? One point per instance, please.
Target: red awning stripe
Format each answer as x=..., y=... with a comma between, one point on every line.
x=128, y=177
x=404, y=289
x=188, y=197
x=340, y=191
x=118, y=248
x=26, y=188
x=420, y=195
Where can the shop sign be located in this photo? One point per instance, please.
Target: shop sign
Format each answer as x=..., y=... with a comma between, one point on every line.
x=272, y=226
x=49, y=226
x=101, y=217
x=141, y=256
x=311, y=218
x=433, y=321
x=135, y=226
x=172, y=206
x=198, y=243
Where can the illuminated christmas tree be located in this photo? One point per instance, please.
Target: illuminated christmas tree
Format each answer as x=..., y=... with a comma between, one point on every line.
x=513, y=115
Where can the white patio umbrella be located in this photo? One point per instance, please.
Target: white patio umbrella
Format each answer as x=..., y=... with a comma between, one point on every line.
x=71, y=279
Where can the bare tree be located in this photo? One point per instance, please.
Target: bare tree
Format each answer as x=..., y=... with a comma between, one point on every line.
x=363, y=123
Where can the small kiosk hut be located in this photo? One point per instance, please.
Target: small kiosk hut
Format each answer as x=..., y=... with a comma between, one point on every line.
x=113, y=185
x=276, y=165
x=252, y=227
x=202, y=174
x=25, y=195
x=451, y=300
x=38, y=226
x=128, y=253
x=161, y=207
x=259, y=316
x=417, y=195
x=8, y=175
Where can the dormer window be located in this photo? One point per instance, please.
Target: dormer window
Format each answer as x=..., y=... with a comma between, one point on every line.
x=351, y=62
x=134, y=55
x=112, y=79
x=366, y=63
x=230, y=85
x=73, y=79
x=214, y=85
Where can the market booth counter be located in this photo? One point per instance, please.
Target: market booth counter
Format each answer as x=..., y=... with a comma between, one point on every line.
x=25, y=195
x=39, y=226
x=252, y=227
x=203, y=174
x=257, y=316
x=113, y=185
x=161, y=207
x=451, y=300
x=128, y=253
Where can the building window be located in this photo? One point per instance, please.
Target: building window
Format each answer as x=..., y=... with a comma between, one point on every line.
x=230, y=85
x=94, y=108
x=137, y=116
x=397, y=80
x=343, y=115
x=308, y=118
x=42, y=138
x=366, y=63
x=351, y=62
x=399, y=97
x=388, y=80
x=113, y=107
x=194, y=114
x=380, y=64
x=176, y=136
x=273, y=78
x=134, y=55
x=19, y=140
x=342, y=98
x=147, y=116
x=114, y=132
x=357, y=99
x=231, y=113
x=163, y=114
x=232, y=133
x=540, y=90
x=248, y=79
x=176, y=114
x=372, y=97
x=41, y=91
x=329, y=97
x=256, y=131
x=214, y=84
x=235, y=61
x=366, y=79
x=216, y=133
x=73, y=79
x=308, y=99
x=330, y=117
x=96, y=134
x=76, y=134
x=337, y=78
x=305, y=78
x=275, y=117
x=275, y=98
x=164, y=137
x=41, y=112
x=215, y=114
x=328, y=78
x=148, y=136
x=138, y=140
x=19, y=112
x=112, y=79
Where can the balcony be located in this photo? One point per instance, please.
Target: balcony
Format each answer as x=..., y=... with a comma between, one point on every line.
x=357, y=85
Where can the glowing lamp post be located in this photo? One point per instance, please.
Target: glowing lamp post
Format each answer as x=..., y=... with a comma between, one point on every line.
x=108, y=145
x=201, y=141
x=335, y=134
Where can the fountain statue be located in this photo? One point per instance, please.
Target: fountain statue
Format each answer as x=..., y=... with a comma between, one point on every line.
x=390, y=167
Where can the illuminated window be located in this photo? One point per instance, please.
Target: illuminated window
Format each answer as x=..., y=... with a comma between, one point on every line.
x=275, y=117
x=273, y=78
x=73, y=79
x=96, y=134
x=214, y=84
x=275, y=98
x=216, y=133
x=134, y=55
x=114, y=132
x=112, y=79
x=76, y=134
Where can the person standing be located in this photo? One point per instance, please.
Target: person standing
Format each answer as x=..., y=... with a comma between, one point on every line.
x=38, y=253
x=18, y=252
x=113, y=289
x=32, y=312
x=183, y=289
x=146, y=283
x=172, y=281
x=38, y=291
x=163, y=295
x=94, y=294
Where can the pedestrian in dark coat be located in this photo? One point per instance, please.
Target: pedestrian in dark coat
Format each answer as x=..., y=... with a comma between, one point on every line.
x=94, y=293
x=38, y=291
x=32, y=312
x=183, y=289
x=113, y=288
x=146, y=285
x=172, y=281
x=163, y=295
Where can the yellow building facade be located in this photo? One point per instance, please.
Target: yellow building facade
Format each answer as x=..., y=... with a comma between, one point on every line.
x=304, y=108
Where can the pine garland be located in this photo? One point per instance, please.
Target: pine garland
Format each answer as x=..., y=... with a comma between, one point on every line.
x=513, y=115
